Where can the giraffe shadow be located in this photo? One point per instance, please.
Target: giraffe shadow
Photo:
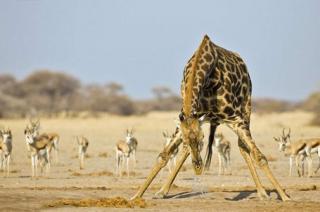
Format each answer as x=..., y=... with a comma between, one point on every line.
x=242, y=195
x=246, y=195
x=183, y=195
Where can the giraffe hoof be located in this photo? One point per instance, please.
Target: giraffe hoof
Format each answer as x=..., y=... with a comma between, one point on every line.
x=286, y=198
x=136, y=196
x=159, y=195
x=263, y=196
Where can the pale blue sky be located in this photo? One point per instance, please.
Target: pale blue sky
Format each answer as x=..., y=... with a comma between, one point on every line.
x=145, y=43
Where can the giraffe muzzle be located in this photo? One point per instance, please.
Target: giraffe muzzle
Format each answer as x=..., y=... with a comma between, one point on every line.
x=197, y=166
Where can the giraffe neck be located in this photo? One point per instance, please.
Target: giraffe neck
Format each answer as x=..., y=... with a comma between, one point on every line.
x=194, y=75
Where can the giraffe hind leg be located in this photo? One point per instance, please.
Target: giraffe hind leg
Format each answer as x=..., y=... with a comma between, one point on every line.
x=243, y=132
x=260, y=189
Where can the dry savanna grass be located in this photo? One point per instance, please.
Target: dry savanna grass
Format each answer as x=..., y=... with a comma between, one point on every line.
x=68, y=187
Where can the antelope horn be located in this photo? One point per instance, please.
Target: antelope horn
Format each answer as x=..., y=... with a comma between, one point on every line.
x=283, y=133
x=288, y=135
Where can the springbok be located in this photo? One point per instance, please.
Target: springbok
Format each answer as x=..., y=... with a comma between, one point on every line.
x=122, y=155
x=299, y=150
x=54, y=137
x=83, y=144
x=168, y=140
x=39, y=147
x=223, y=148
x=5, y=149
x=133, y=145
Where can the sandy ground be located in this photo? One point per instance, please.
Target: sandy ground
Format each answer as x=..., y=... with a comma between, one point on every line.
x=233, y=192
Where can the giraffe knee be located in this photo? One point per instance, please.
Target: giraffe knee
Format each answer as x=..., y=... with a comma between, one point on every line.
x=163, y=159
x=258, y=157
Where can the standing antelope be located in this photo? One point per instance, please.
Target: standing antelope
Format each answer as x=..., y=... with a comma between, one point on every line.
x=83, y=144
x=133, y=144
x=54, y=137
x=223, y=148
x=125, y=150
x=168, y=140
x=5, y=149
x=299, y=150
x=39, y=147
x=122, y=155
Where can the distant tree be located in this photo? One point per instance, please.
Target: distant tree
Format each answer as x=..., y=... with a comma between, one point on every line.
x=161, y=92
x=9, y=85
x=52, y=89
x=114, y=89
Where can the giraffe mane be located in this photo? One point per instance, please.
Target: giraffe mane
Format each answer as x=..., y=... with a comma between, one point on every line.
x=191, y=79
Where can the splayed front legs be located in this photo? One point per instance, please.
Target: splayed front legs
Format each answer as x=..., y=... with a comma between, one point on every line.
x=166, y=187
x=162, y=161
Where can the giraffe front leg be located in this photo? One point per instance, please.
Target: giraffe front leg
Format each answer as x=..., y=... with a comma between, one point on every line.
x=162, y=161
x=166, y=187
x=244, y=134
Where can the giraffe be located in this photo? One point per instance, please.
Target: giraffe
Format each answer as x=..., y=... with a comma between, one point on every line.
x=216, y=88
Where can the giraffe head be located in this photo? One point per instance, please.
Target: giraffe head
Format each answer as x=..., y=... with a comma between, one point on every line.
x=192, y=135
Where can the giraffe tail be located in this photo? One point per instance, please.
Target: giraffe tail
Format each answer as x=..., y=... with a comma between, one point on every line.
x=208, y=154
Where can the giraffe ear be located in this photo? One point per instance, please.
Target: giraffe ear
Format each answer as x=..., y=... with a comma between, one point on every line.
x=177, y=122
x=181, y=116
x=202, y=119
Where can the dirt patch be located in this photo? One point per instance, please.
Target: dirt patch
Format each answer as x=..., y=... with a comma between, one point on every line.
x=132, y=174
x=85, y=156
x=103, y=155
x=94, y=174
x=116, y=202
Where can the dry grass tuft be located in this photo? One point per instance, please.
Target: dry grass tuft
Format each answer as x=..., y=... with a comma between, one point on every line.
x=88, y=156
x=116, y=202
x=103, y=155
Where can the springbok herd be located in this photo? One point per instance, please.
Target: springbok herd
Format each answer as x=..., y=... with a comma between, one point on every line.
x=41, y=146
